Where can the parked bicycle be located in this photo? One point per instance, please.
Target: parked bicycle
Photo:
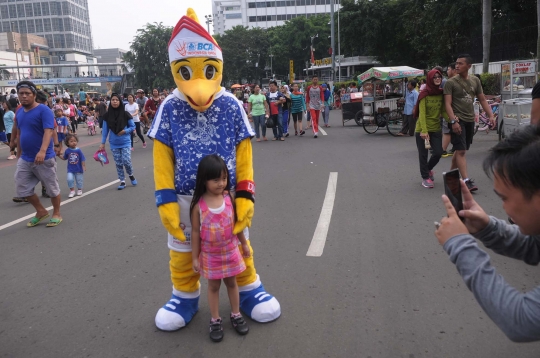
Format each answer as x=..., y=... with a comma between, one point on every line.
x=392, y=120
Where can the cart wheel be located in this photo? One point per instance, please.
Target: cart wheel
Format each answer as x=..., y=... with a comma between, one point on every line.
x=502, y=135
x=359, y=117
x=370, y=125
x=395, y=123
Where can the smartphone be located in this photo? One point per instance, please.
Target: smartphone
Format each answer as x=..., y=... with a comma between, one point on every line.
x=452, y=188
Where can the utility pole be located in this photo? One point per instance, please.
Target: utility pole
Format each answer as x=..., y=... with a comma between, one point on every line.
x=339, y=45
x=271, y=66
x=208, y=21
x=332, y=41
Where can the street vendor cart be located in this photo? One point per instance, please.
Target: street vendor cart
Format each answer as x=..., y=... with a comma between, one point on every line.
x=383, y=90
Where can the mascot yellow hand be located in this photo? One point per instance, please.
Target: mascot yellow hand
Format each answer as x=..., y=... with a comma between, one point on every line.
x=245, y=208
x=164, y=178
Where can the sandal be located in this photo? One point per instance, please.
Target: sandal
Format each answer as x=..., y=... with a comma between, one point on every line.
x=400, y=134
x=282, y=139
x=258, y=139
x=54, y=222
x=35, y=220
x=274, y=138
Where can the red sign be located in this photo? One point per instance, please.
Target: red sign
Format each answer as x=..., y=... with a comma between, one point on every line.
x=522, y=68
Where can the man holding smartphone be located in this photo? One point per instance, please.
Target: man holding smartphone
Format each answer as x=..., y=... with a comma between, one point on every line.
x=514, y=165
x=459, y=94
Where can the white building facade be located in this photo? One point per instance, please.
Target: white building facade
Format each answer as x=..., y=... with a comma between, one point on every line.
x=264, y=14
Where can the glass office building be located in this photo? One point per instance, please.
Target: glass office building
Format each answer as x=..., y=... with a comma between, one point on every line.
x=65, y=24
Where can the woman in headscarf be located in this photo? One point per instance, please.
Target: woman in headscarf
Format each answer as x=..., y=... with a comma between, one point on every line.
x=285, y=110
x=429, y=109
x=120, y=125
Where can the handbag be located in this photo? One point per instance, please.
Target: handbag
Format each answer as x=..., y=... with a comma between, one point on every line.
x=270, y=122
x=3, y=137
x=101, y=157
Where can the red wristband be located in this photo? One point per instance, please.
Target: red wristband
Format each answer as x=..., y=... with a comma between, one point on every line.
x=246, y=185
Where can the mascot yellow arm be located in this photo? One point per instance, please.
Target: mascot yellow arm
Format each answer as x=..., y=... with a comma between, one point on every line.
x=244, y=171
x=164, y=179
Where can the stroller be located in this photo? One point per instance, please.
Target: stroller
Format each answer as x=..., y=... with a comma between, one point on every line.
x=91, y=123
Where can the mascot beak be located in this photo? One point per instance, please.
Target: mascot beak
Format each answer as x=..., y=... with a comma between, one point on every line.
x=200, y=93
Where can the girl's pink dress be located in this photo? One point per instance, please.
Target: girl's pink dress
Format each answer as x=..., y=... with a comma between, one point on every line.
x=220, y=256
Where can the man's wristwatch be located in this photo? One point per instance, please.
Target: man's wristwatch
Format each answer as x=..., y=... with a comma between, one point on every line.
x=453, y=121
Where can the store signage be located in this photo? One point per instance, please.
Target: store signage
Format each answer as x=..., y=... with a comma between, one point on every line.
x=324, y=61
x=291, y=70
x=522, y=68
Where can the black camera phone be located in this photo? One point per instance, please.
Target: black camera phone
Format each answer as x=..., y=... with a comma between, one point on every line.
x=452, y=189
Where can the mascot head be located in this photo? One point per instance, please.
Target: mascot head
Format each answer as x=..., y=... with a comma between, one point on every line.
x=196, y=62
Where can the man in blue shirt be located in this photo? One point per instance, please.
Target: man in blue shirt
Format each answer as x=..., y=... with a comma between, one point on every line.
x=409, y=122
x=35, y=124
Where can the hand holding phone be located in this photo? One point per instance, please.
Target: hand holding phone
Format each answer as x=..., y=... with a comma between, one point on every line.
x=452, y=189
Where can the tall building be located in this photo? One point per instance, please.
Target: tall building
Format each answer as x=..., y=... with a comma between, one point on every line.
x=263, y=13
x=110, y=55
x=65, y=24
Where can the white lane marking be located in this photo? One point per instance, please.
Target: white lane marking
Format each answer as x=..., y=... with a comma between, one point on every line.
x=321, y=231
x=322, y=131
x=62, y=203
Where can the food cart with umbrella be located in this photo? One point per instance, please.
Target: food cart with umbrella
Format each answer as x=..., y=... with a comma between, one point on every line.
x=383, y=90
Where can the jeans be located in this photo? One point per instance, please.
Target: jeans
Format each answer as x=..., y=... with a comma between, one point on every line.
x=285, y=121
x=435, y=139
x=278, y=129
x=122, y=158
x=72, y=177
x=259, y=121
x=326, y=114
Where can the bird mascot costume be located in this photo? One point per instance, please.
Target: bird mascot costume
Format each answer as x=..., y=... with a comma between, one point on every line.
x=200, y=118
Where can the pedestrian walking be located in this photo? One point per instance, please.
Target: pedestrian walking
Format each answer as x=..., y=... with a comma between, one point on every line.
x=327, y=104
x=35, y=126
x=459, y=94
x=275, y=99
x=298, y=109
x=215, y=251
x=72, y=116
x=285, y=109
x=62, y=125
x=409, y=120
x=9, y=106
x=133, y=109
x=258, y=111
x=430, y=107
x=76, y=165
x=446, y=129
x=315, y=101
x=119, y=124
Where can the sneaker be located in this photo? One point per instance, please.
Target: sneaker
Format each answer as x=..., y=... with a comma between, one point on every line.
x=446, y=154
x=432, y=175
x=239, y=324
x=295, y=133
x=144, y=145
x=302, y=132
x=79, y=192
x=122, y=185
x=71, y=194
x=427, y=183
x=315, y=136
x=286, y=134
x=216, y=330
x=470, y=185
x=18, y=199
x=11, y=157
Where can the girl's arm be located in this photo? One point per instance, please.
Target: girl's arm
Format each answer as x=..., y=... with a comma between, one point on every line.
x=195, y=237
x=84, y=165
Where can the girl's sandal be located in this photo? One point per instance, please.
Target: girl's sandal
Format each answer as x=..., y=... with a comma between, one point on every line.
x=35, y=220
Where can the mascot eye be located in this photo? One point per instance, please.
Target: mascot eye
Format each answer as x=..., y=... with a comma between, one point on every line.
x=209, y=72
x=186, y=72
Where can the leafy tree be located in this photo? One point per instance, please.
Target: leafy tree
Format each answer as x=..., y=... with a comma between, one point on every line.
x=149, y=58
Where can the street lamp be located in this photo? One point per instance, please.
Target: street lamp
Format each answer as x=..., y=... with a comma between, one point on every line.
x=208, y=21
x=16, y=54
x=312, y=51
x=271, y=65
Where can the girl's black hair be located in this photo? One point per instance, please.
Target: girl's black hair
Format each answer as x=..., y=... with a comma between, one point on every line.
x=211, y=167
x=69, y=136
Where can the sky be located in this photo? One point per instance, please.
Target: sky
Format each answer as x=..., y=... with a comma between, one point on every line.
x=115, y=26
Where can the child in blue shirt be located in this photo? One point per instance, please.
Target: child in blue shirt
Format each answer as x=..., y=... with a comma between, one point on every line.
x=62, y=125
x=76, y=165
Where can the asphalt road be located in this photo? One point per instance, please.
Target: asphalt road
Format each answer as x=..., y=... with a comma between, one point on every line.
x=383, y=286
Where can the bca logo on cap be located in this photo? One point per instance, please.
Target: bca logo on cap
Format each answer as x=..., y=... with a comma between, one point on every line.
x=200, y=46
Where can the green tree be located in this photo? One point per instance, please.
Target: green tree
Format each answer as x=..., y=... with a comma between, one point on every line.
x=149, y=58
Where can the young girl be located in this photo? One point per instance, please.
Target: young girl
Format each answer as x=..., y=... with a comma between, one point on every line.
x=214, y=246
x=62, y=126
x=76, y=165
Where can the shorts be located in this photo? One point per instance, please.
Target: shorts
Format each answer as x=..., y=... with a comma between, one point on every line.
x=297, y=117
x=463, y=141
x=28, y=175
x=445, y=127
